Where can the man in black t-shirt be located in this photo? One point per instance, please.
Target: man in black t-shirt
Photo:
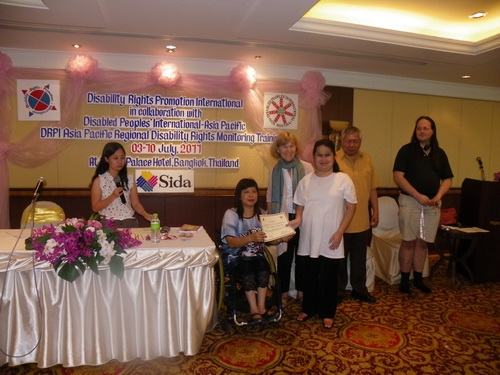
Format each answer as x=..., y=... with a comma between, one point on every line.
x=423, y=174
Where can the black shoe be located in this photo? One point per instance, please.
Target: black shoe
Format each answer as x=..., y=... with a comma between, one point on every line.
x=404, y=289
x=422, y=287
x=363, y=297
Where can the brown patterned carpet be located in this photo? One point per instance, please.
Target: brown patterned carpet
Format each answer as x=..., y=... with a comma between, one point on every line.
x=451, y=331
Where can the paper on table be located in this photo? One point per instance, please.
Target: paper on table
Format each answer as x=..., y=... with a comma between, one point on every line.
x=190, y=228
x=473, y=230
x=275, y=226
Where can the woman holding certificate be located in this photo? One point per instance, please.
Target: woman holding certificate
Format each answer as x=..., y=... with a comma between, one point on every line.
x=326, y=202
x=283, y=181
x=242, y=233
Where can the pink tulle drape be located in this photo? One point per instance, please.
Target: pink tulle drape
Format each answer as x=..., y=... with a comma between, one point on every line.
x=83, y=71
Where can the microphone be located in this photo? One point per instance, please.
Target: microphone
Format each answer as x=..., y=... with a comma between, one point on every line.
x=118, y=183
x=479, y=161
x=38, y=188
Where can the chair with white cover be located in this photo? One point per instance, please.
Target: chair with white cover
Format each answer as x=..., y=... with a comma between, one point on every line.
x=370, y=271
x=386, y=241
x=45, y=213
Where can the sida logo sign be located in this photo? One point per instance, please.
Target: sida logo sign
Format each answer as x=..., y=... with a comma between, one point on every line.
x=38, y=100
x=164, y=181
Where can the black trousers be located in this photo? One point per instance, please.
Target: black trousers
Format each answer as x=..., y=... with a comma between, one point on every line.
x=355, y=245
x=320, y=286
x=285, y=262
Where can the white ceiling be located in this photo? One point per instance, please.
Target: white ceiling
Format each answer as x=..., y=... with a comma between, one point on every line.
x=442, y=43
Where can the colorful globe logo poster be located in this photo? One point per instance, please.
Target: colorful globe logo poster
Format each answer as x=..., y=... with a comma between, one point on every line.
x=280, y=111
x=38, y=100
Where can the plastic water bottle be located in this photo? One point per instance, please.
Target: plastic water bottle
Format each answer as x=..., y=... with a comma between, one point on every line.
x=155, y=228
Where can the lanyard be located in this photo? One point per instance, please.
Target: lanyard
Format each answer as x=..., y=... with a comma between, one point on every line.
x=422, y=223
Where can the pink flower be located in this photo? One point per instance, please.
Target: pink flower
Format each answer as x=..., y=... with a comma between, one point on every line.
x=82, y=67
x=5, y=63
x=243, y=77
x=312, y=82
x=94, y=224
x=4, y=149
x=165, y=74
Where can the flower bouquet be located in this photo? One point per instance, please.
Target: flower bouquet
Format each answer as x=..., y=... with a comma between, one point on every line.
x=75, y=244
x=496, y=176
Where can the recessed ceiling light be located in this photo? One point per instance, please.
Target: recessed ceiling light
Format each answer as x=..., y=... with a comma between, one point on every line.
x=258, y=57
x=170, y=48
x=76, y=45
x=465, y=76
x=478, y=15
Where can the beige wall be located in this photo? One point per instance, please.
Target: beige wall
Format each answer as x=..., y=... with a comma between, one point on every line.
x=466, y=129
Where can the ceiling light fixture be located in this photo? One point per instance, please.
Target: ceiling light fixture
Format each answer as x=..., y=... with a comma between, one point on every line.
x=170, y=48
x=258, y=57
x=76, y=45
x=465, y=76
x=478, y=15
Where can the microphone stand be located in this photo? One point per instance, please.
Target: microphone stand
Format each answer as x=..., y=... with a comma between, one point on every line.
x=482, y=172
x=32, y=218
x=480, y=162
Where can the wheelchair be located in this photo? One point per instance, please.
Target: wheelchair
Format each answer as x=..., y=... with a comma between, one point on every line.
x=232, y=304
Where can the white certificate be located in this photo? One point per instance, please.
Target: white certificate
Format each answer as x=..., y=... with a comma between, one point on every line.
x=275, y=226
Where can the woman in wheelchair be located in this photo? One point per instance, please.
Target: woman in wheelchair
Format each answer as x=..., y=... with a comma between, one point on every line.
x=241, y=232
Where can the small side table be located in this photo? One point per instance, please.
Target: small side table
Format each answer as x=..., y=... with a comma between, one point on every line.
x=455, y=236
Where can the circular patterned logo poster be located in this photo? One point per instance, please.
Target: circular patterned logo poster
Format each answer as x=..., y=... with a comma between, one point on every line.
x=39, y=100
x=280, y=111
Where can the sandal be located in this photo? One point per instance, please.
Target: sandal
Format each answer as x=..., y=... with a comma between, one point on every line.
x=256, y=317
x=327, y=323
x=270, y=314
x=302, y=317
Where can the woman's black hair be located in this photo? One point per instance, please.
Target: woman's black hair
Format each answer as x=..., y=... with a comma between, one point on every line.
x=243, y=184
x=327, y=143
x=108, y=150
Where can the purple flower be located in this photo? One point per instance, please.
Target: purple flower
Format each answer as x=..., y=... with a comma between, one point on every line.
x=83, y=243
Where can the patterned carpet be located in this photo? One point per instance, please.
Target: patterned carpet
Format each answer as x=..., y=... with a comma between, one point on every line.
x=451, y=331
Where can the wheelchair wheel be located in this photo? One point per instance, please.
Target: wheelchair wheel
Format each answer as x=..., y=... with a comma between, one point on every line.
x=231, y=299
x=219, y=284
x=274, y=292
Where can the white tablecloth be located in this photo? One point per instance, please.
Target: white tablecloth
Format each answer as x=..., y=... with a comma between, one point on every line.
x=162, y=306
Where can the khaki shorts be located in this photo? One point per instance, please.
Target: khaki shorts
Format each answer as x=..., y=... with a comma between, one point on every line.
x=410, y=215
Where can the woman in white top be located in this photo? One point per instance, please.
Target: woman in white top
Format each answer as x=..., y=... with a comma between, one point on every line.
x=326, y=202
x=113, y=192
x=283, y=181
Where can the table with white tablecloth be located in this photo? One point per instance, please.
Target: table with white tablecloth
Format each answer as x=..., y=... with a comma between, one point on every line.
x=162, y=306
